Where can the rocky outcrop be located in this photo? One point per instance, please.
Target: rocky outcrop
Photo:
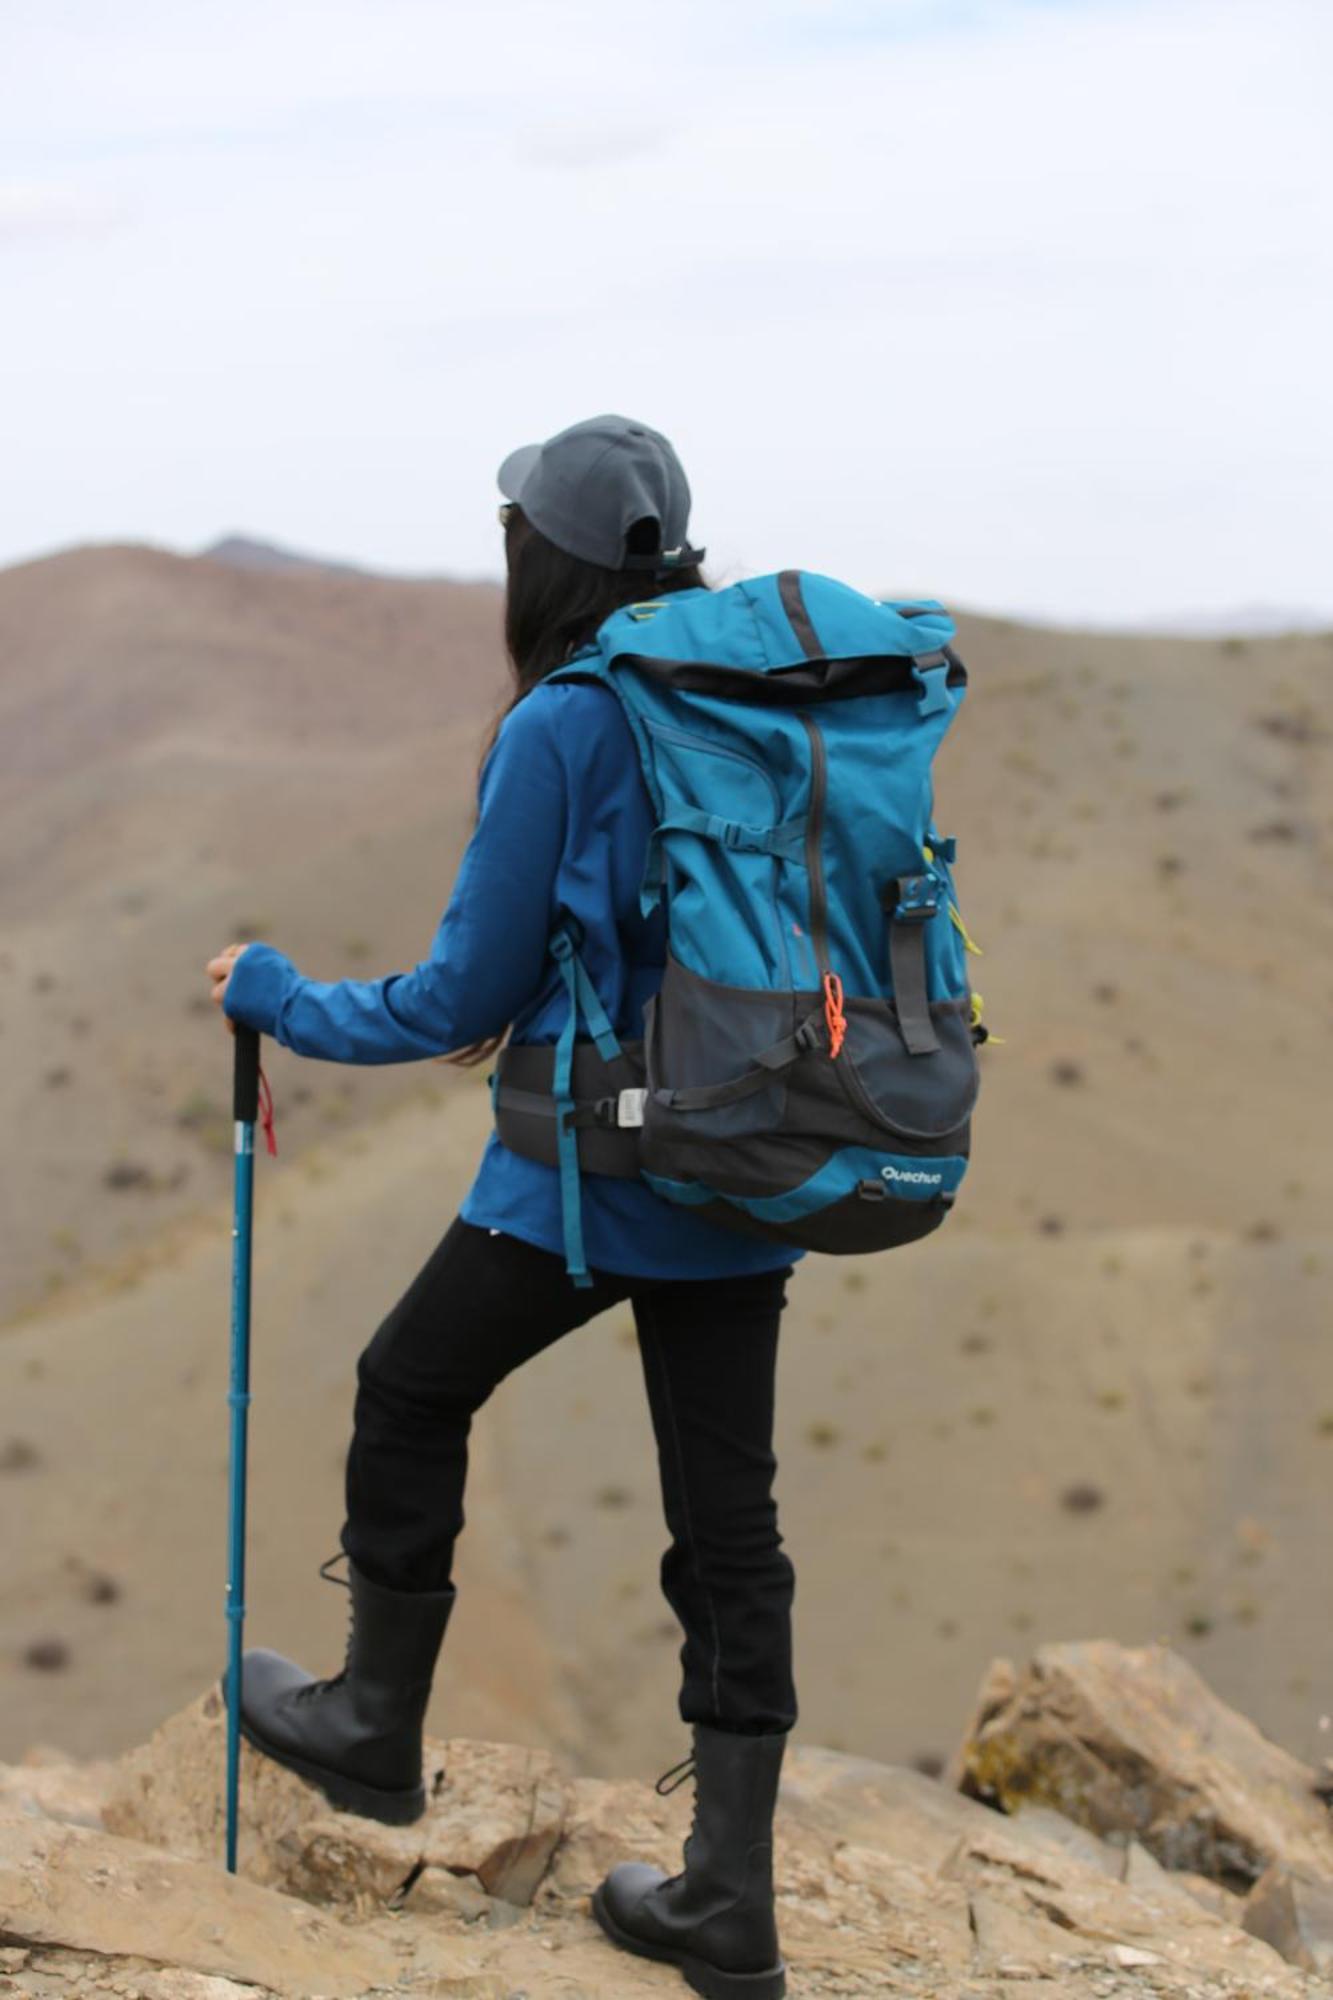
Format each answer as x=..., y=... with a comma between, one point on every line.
x=888, y=1882
x=492, y=1822
x=1134, y=1745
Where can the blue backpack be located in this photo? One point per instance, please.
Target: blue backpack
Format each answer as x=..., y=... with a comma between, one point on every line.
x=808, y=1068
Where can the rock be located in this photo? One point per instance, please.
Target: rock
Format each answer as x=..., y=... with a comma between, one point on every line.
x=888, y=1884
x=436, y=1892
x=1134, y=1744
x=67, y=1885
x=187, y=1986
x=1219, y=1902
x=1090, y=1912
x=606, y=1823
x=1012, y=1943
x=1128, y=1957
x=494, y=1812
x=50, y=1786
x=1295, y=1916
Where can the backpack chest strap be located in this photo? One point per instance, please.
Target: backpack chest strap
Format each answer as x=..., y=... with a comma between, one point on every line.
x=786, y=841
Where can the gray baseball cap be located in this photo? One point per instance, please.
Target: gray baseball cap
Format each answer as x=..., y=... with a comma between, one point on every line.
x=585, y=488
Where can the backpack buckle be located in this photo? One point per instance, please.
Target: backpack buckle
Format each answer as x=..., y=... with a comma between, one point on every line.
x=629, y=1107
x=917, y=899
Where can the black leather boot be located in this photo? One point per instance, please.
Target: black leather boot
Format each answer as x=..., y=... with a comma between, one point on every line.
x=716, y=1920
x=357, y=1736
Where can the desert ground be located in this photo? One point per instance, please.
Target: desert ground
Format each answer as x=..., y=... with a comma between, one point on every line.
x=1099, y=1403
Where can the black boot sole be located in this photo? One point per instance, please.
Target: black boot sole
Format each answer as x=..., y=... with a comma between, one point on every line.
x=348, y=1794
x=707, y=1979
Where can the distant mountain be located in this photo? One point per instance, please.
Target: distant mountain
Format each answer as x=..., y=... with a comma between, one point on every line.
x=249, y=552
x=1250, y=621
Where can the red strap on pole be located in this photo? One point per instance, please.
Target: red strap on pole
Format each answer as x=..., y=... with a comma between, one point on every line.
x=266, y=1113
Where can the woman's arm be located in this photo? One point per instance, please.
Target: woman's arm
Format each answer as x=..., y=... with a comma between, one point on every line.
x=489, y=956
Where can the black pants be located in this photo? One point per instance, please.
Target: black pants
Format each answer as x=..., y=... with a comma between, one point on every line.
x=485, y=1303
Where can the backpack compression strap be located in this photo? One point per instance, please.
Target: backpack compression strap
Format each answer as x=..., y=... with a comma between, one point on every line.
x=911, y=901
x=582, y=996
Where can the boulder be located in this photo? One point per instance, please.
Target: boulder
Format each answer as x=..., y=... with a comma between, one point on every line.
x=493, y=1817
x=1132, y=1744
x=1295, y=1916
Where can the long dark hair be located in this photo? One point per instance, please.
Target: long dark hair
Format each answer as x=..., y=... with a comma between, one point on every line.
x=554, y=603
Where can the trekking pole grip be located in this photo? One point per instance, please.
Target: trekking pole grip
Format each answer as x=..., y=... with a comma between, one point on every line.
x=245, y=1076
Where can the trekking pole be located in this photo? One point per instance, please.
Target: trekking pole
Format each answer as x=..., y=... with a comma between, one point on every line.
x=245, y=1093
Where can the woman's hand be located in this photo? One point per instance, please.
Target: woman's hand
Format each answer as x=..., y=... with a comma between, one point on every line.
x=219, y=971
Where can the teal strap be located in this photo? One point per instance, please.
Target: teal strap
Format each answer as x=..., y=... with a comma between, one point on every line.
x=566, y=1138
x=583, y=994
x=582, y=997
x=786, y=841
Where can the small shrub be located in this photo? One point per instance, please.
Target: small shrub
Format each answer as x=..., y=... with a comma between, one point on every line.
x=46, y=1656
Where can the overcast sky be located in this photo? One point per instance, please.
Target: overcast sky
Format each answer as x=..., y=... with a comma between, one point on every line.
x=1023, y=303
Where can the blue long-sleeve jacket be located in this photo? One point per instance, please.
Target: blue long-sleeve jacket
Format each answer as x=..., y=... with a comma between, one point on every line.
x=562, y=830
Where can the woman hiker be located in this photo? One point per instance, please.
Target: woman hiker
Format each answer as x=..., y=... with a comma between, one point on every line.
x=595, y=518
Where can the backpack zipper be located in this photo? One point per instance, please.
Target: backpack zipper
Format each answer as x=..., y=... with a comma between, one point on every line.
x=814, y=851
x=814, y=863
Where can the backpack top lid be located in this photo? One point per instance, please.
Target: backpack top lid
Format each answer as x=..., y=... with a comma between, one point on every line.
x=769, y=623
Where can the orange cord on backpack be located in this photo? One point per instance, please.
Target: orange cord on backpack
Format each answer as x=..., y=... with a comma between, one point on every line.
x=266, y=1113
x=833, y=1014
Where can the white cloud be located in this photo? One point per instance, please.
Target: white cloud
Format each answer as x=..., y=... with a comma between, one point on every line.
x=1026, y=303
x=30, y=211
x=581, y=142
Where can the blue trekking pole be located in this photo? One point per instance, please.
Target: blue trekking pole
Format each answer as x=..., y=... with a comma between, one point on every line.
x=245, y=1094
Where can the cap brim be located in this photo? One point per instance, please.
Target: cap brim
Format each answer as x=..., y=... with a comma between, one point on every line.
x=517, y=470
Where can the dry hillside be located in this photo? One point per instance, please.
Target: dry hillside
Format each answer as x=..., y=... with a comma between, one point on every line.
x=1101, y=1400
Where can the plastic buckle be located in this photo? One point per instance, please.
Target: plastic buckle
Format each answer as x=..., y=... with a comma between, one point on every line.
x=918, y=899
x=566, y=938
x=807, y=1035
x=629, y=1107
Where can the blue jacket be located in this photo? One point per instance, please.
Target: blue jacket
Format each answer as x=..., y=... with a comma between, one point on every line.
x=563, y=830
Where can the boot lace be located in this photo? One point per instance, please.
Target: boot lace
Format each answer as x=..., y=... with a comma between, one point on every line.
x=313, y=1688
x=679, y=1774
x=671, y=1781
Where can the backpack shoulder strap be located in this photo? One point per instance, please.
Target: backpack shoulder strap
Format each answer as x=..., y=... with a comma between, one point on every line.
x=583, y=999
